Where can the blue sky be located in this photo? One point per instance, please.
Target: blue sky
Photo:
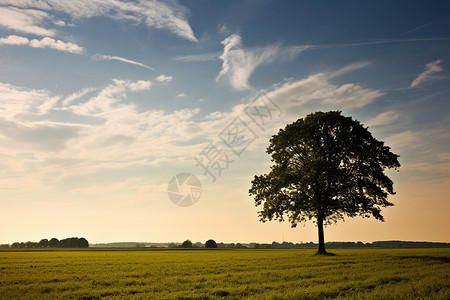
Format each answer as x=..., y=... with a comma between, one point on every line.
x=102, y=102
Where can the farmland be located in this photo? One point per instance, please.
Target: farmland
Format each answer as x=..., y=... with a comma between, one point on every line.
x=225, y=274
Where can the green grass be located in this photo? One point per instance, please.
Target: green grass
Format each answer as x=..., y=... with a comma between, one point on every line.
x=225, y=274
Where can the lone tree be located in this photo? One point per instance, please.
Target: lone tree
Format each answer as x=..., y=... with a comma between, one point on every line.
x=187, y=244
x=326, y=166
x=210, y=244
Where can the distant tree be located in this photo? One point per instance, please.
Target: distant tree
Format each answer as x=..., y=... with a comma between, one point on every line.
x=326, y=166
x=31, y=244
x=73, y=242
x=43, y=243
x=187, y=244
x=210, y=244
x=172, y=245
x=4, y=246
x=15, y=245
x=83, y=243
x=267, y=246
x=53, y=243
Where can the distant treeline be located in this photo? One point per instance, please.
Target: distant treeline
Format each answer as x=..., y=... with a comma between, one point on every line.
x=83, y=243
x=284, y=245
x=72, y=242
x=340, y=245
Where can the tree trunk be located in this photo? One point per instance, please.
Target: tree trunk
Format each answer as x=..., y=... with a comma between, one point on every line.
x=321, y=249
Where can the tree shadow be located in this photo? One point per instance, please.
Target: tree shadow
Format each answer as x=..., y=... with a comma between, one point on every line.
x=325, y=254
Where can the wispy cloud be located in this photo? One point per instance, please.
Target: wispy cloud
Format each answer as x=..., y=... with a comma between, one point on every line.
x=164, y=78
x=443, y=156
x=108, y=98
x=293, y=51
x=169, y=15
x=384, y=118
x=198, y=57
x=18, y=102
x=407, y=138
x=376, y=42
x=316, y=92
x=92, y=139
x=182, y=95
x=103, y=120
x=77, y=95
x=239, y=63
x=428, y=75
x=46, y=42
x=24, y=20
x=122, y=59
x=350, y=68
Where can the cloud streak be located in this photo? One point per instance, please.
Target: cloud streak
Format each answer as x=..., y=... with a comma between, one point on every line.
x=25, y=20
x=122, y=59
x=18, y=102
x=316, y=92
x=198, y=57
x=385, y=118
x=77, y=95
x=238, y=63
x=428, y=75
x=169, y=15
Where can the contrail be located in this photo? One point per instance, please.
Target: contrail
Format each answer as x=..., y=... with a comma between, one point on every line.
x=425, y=25
x=129, y=61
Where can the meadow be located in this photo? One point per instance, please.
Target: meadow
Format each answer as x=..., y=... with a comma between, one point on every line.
x=225, y=274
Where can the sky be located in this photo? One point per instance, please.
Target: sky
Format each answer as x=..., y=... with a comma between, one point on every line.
x=104, y=103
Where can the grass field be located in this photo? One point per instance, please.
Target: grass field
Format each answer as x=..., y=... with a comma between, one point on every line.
x=225, y=274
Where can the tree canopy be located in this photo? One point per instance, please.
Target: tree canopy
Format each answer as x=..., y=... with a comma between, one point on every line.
x=187, y=244
x=325, y=166
x=73, y=242
x=210, y=244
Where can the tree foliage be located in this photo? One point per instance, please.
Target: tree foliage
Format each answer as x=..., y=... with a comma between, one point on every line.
x=187, y=244
x=73, y=242
x=210, y=244
x=325, y=166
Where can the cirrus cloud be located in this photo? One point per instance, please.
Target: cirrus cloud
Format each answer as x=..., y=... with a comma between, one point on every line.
x=169, y=15
x=25, y=20
x=428, y=75
x=122, y=59
x=239, y=63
